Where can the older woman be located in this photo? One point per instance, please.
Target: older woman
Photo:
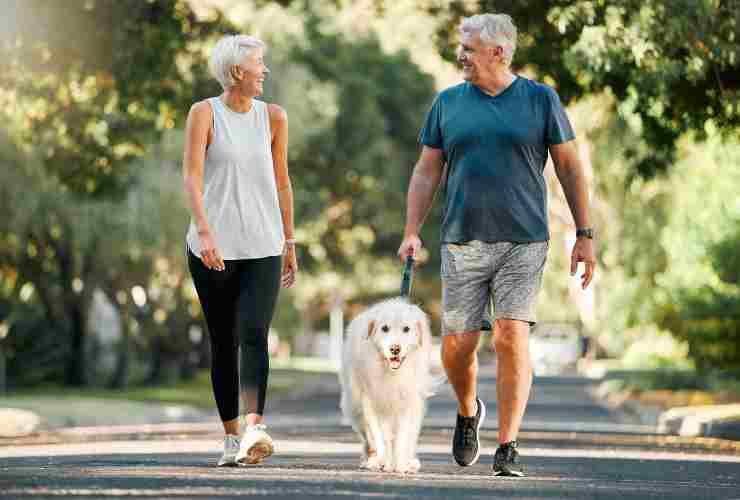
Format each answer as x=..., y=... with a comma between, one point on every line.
x=240, y=241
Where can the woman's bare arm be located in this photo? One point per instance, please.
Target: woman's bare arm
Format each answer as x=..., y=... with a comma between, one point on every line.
x=279, y=127
x=197, y=130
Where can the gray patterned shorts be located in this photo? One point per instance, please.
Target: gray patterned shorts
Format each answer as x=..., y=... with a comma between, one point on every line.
x=476, y=272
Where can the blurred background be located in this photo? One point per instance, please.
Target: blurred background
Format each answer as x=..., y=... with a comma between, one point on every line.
x=94, y=290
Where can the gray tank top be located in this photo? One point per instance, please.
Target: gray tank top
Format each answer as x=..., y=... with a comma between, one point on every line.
x=239, y=191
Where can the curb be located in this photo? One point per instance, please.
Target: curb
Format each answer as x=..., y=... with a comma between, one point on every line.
x=722, y=421
x=114, y=433
x=15, y=422
x=710, y=421
x=628, y=410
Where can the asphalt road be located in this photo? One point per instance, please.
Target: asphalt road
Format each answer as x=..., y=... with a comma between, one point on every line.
x=572, y=448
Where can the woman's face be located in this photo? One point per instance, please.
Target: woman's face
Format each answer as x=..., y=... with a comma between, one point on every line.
x=251, y=73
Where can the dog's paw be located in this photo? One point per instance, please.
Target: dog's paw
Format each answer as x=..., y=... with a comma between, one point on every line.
x=388, y=467
x=373, y=463
x=410, y=467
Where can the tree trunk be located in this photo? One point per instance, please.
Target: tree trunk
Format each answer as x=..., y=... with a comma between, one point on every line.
x=119, y=380
x=76, y=369
x=155, y=369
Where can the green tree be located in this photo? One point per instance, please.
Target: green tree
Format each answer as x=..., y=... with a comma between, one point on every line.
x=30, y=339
x=89, y=84
x=85, y=88
x=142, y=269
x=360, y=164
x=708, y=318
x=57, y=250
x=700, y=288
x=631, y=215
x=351, y=168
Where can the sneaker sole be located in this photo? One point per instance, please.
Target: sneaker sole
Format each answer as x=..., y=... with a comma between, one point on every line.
x=477, y=435
x=508, y=473
x=256, y=453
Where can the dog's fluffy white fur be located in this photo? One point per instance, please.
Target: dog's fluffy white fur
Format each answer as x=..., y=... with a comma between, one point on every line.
x=386, y=379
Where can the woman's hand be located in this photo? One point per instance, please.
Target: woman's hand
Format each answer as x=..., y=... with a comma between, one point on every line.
x=290, y=266
x=209, y=254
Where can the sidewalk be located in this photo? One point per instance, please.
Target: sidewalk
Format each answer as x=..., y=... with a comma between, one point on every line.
x=49, y=415
x=57, y=413
x=710, y=421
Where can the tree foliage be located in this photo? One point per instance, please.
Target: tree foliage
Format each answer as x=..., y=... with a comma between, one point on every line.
x=57, y=250
x=359, y=163
x=701, y=288
x=708, y=318
x=86, y=87
x=90, y=84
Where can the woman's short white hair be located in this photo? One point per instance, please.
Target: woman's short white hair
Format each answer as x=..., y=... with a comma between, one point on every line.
x=493, y=29
x=230, y=51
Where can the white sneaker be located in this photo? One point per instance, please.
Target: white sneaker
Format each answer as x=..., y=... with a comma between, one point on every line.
x=256, y=445
x=231, y=449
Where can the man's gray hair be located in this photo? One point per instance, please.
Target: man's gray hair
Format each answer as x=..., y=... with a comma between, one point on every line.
x=493, y=29
x=230, y=51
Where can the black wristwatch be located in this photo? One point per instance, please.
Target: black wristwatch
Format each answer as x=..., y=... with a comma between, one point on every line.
x=586, y=232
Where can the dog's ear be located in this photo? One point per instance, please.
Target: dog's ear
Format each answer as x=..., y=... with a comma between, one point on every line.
x=370, y=328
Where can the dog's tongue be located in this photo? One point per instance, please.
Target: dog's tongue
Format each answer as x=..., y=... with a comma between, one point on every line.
x=395, y=363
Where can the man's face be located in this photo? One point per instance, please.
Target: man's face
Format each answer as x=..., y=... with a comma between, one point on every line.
x=473, y=56
x=478, y=60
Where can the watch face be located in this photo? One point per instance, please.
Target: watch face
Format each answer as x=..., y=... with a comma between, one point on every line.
x=588, y=233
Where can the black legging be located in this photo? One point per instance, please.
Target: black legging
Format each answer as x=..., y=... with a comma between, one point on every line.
x=238, y=304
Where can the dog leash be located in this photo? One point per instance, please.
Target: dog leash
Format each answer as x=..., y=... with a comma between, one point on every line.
x=408, y=277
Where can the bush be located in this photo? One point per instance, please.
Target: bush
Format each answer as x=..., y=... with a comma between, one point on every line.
x=708, y=318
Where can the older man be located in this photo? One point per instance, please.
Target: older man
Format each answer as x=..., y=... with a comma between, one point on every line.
x=494, y=132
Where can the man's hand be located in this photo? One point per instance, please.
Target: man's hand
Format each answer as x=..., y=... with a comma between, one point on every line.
x=410, y=246
x=583, y=251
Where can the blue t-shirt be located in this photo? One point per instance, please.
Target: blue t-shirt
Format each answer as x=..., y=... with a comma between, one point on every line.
x=495, y=148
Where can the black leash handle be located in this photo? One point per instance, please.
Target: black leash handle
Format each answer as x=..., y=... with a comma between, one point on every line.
x=408, y=277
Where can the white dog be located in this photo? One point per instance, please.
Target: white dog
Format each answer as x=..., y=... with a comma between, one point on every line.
x=386, y=379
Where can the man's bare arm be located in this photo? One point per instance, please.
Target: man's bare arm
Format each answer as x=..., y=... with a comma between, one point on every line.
x=422, y=188
x=569, y=171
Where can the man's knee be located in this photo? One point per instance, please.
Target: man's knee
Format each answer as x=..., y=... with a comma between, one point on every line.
x=511, y=336
x=459, y=346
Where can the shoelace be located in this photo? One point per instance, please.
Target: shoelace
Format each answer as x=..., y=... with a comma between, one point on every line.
x=231, y=439
x=507, y=454
x=235, y=440
x=468, y=431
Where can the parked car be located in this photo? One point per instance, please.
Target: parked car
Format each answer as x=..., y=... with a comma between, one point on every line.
x=555, y=348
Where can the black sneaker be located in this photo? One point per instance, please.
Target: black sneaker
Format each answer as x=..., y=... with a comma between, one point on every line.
x=466, y=443
x=506, y=461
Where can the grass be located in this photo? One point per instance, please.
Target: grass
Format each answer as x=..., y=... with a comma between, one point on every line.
x=668, y=388
x=285, y=376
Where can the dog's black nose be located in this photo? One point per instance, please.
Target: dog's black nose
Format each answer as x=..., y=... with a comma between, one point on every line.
x=395, y=349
